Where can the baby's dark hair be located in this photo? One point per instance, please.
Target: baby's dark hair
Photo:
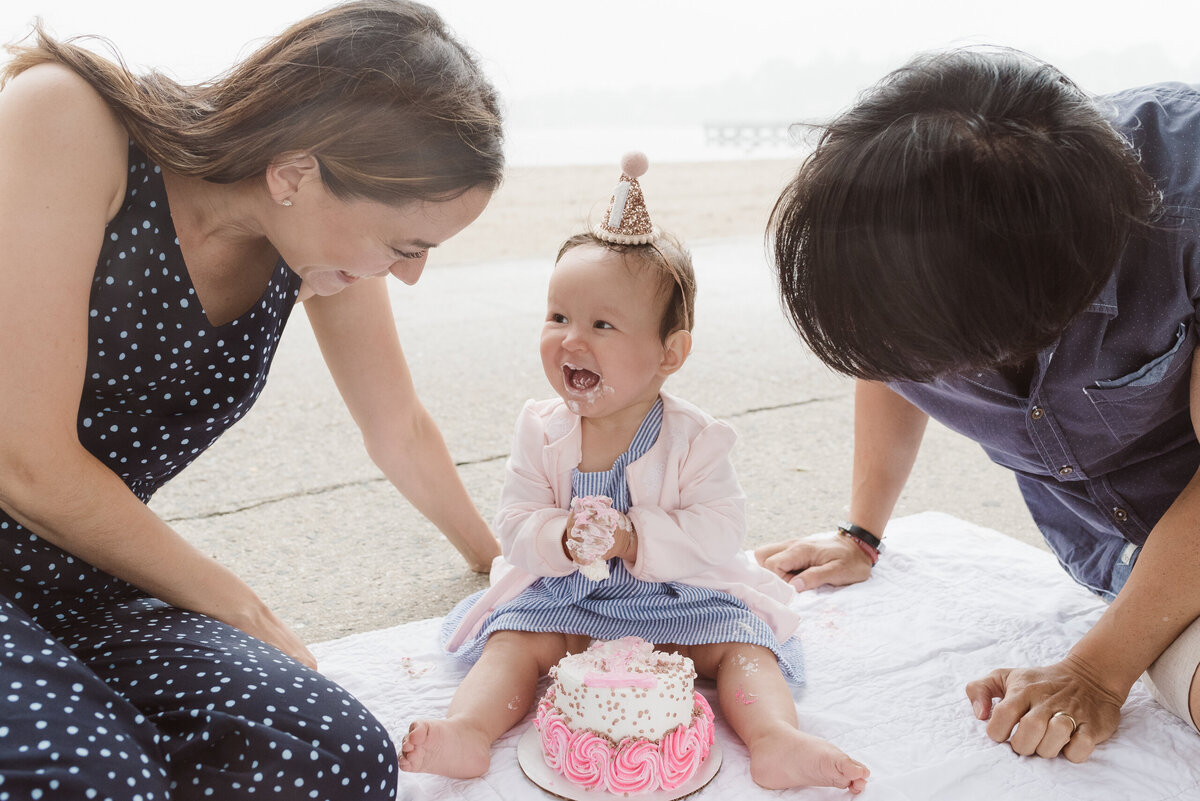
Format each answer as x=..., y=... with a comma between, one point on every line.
x=673, y=263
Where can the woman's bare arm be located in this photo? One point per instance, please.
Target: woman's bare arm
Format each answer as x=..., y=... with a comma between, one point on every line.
x=358, y=339
x=62, y=167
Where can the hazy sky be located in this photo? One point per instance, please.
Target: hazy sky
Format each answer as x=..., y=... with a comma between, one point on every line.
x=583, y=81
x=536, y=46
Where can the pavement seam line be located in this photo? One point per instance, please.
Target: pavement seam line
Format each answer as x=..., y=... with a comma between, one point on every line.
x=466, y=463
x=310, y=492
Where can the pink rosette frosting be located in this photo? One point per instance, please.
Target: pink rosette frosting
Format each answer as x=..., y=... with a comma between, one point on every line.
x=587, y=757
x=553, y=732
x=635, y=765
x=685, y=748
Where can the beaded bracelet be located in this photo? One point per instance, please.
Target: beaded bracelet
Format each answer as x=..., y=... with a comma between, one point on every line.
x=867, y=542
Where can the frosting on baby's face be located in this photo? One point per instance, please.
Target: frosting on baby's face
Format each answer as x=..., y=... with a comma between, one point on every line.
x=601, y=346
x=584, y=387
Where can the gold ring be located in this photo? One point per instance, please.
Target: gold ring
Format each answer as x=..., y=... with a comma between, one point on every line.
x=1074, y=724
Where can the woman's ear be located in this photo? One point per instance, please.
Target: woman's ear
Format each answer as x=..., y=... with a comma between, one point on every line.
x=288, y=172
x=675, y=351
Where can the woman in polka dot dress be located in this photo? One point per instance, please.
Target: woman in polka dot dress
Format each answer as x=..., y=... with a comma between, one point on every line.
x=155, y=238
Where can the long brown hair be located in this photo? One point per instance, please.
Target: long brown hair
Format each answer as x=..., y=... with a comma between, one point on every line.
x=391, y=104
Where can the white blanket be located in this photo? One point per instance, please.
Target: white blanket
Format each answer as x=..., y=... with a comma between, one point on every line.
x=887, y=661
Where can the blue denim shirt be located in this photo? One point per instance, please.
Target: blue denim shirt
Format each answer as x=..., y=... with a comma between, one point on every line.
x=1103, y=442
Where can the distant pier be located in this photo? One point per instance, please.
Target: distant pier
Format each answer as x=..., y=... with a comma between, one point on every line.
x=750, y=135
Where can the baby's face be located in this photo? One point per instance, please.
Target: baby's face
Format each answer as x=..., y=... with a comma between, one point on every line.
x=600, y=343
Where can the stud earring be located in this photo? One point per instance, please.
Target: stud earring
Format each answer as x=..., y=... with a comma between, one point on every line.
x=285, y=203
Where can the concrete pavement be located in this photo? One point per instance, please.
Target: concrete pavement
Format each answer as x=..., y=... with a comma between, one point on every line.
x=289, y=500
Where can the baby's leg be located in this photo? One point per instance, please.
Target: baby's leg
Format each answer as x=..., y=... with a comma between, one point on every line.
x=494, y=697
x=755, y=699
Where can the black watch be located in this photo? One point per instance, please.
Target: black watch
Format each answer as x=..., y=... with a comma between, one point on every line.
x=861, y=534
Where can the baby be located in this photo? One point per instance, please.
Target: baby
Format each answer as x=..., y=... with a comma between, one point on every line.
x=621, y=515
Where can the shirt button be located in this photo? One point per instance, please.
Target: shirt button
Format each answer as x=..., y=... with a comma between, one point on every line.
x=1036, y=413
x=1066, y=470
x=1120, y=514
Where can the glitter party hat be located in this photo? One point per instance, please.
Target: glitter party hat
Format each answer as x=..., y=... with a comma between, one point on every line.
x=627, y=222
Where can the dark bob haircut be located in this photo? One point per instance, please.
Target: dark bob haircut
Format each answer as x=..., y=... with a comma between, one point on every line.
x=957, y=217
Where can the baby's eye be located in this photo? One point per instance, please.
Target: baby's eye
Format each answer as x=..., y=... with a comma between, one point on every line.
x=405, y=254
x=601, y=324
x=557, y=318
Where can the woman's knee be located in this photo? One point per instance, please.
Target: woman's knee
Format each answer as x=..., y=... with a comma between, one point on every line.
x=1174, y=678
x=316, y=741
x=237, y=719
x=64, y=733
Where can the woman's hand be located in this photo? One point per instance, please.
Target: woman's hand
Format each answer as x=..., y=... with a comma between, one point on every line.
x=1030, y=700
x=480, y=560
x=270, y=629
x=816, y=561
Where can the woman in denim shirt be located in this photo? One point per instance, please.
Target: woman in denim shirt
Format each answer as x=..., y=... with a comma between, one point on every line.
x=979, y=241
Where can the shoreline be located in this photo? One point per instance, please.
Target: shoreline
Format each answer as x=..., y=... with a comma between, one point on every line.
x=537, y=208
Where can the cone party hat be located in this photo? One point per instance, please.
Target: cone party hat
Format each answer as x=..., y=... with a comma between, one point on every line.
x=627, y=222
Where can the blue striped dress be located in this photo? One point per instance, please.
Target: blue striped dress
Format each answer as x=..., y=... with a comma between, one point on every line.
x=621, y=605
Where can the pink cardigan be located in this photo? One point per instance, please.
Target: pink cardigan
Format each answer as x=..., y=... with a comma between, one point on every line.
x=686, y=504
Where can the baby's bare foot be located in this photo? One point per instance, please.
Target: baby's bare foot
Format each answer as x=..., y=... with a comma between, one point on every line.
x=791, y=758
x=445, y=747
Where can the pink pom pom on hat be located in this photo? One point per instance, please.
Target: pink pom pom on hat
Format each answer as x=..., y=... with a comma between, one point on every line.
x=627, y=222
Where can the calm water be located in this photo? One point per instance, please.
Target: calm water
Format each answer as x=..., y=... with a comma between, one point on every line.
x=535, y=147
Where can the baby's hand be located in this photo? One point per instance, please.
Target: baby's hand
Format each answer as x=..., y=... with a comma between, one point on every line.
x=590, y=540
x=624, y=540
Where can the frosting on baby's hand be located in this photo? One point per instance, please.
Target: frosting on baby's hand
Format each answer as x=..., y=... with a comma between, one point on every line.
x=592, y=534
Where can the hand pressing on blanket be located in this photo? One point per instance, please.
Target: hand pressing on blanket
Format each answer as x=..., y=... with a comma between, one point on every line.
x=1031, y=700
x=816, y=561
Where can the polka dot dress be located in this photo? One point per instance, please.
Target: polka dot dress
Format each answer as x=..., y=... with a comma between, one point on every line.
x=106, y=693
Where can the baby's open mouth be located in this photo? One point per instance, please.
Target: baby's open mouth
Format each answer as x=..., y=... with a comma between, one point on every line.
x=578, y=379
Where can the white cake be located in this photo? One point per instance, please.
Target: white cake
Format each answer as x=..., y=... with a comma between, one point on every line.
x=625, y=688
x=624, y=718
